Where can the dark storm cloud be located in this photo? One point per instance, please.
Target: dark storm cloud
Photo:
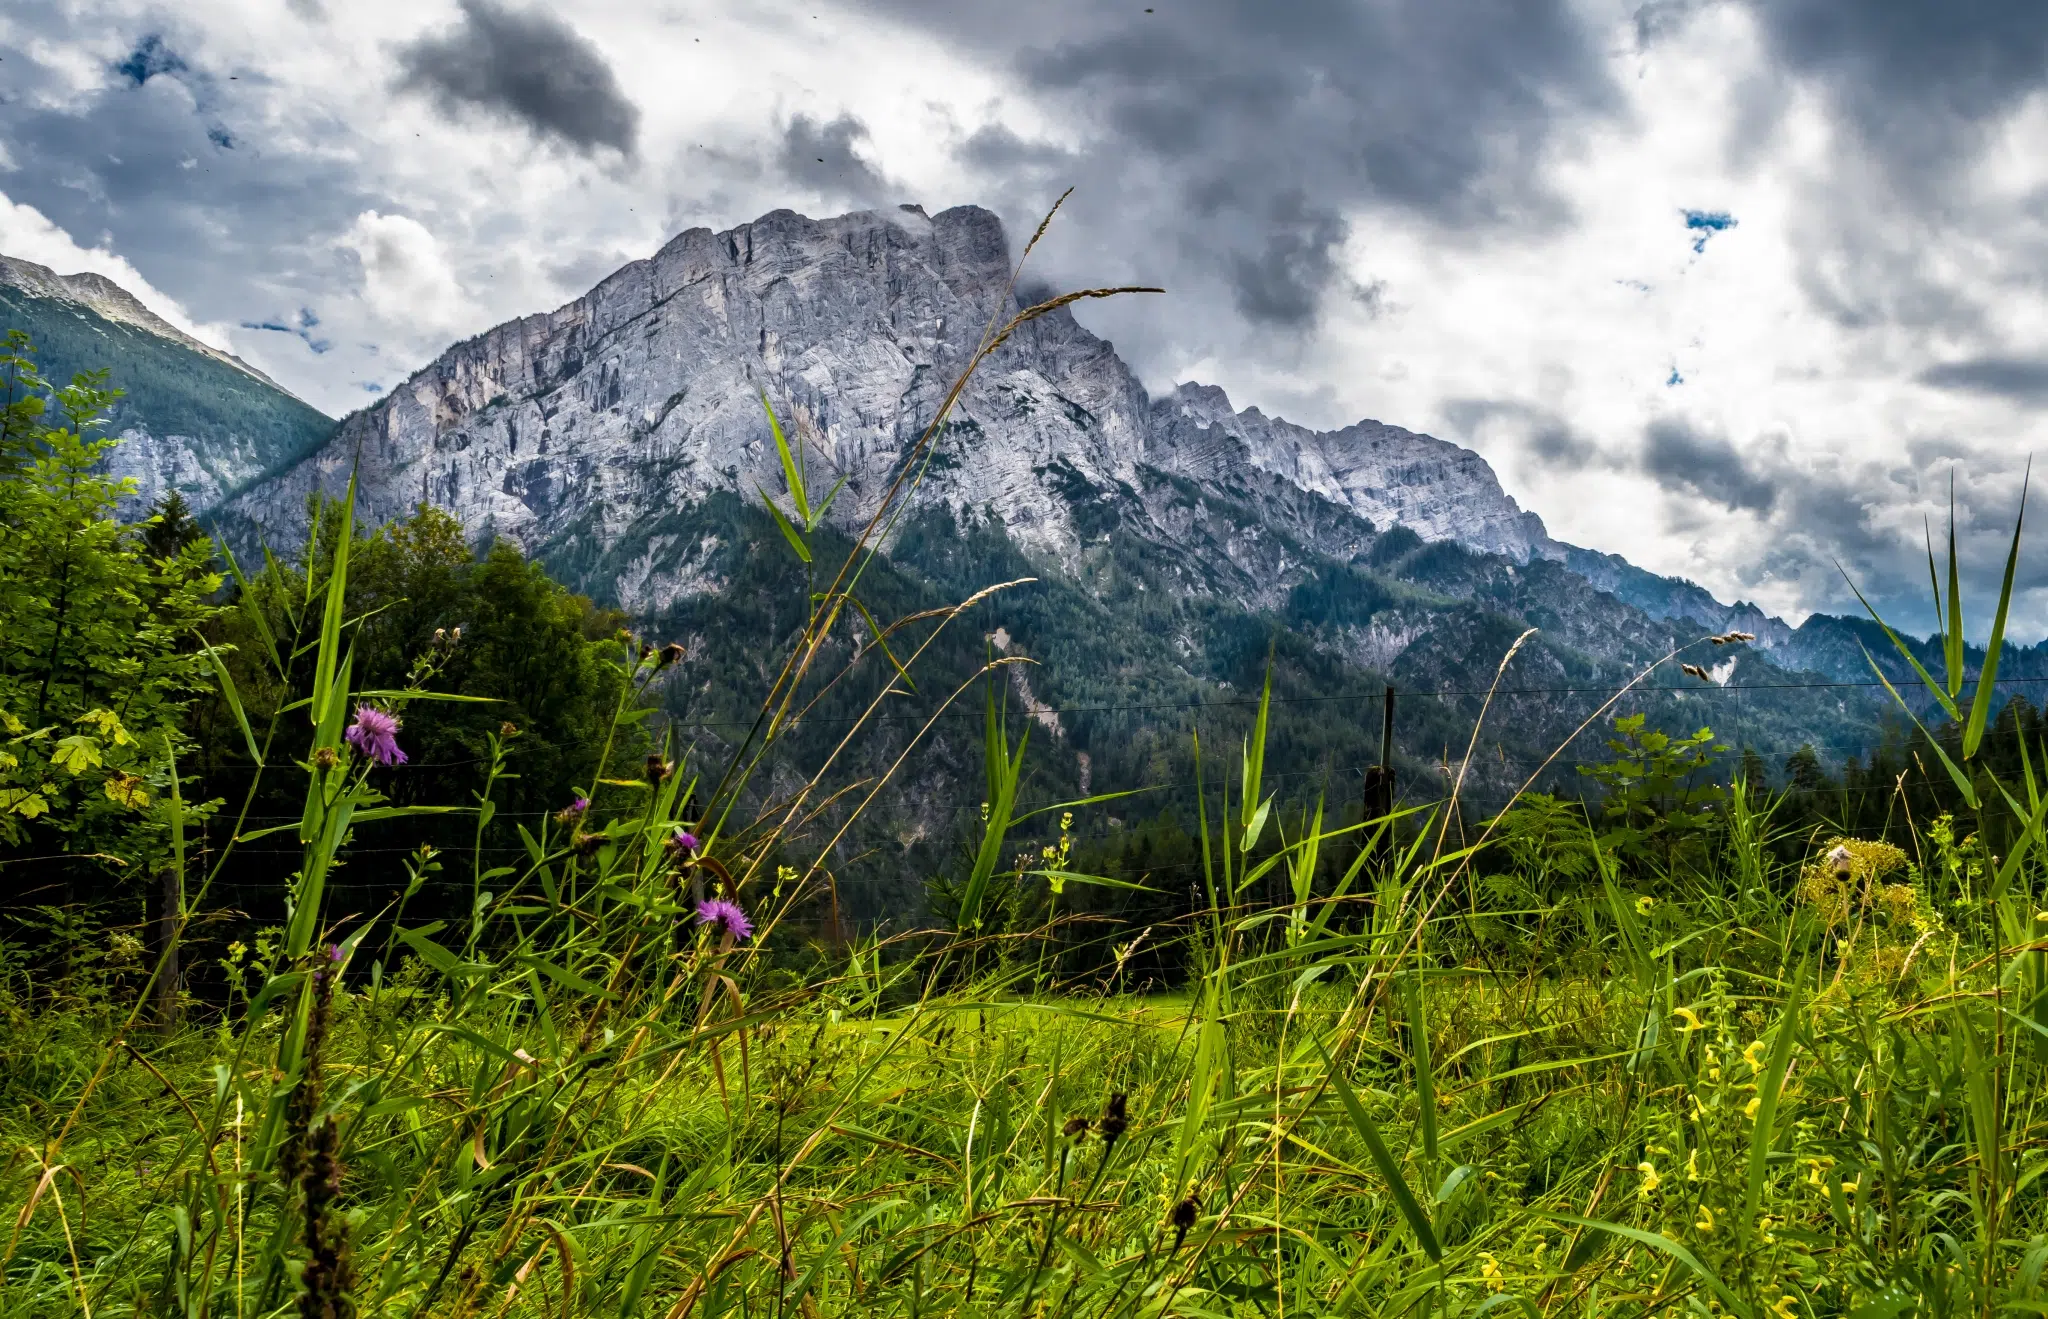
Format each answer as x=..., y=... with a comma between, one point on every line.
x=1538, y=432
x=1916, y=79
x=821, y=157
x=1682, y=459
x=1283, y=283
x=1230, y=145
x=2021, y=379
x=524, y=67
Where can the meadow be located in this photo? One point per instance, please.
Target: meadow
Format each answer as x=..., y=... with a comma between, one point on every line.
x=1700, y=1057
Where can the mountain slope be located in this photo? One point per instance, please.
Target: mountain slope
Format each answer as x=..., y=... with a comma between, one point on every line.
x=193, y=418
x=575, y=430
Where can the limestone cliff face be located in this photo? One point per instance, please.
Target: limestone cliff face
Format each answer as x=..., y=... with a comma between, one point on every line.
x=577, y=431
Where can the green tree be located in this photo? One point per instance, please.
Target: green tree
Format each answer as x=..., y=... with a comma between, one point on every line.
x=97, y=625
x=1661, y=794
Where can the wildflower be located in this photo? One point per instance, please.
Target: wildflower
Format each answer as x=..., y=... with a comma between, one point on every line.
x=1705, y=1222
x=658, y=769
x=1651, y=1181
x=1644, y=904
x=1489, y=1269
x=325, y=758
x=1066, y=821
x=1764, y=1223
x=573, y=812
x=672, y=653
x=725, y=918
x=1692, y=1165
x=455, y=636
x=1815, y=1168
x=586, y=844
x=1690, y=1018
x=508, y=729
x=375, y=734
x=1753, y=1055
x=683, y=846
x=1749, y=1109
x=1784, y=1307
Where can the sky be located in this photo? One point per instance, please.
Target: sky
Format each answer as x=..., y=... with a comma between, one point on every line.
x=1738, y=289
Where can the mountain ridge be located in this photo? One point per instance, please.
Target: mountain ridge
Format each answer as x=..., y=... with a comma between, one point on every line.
x=192, y=418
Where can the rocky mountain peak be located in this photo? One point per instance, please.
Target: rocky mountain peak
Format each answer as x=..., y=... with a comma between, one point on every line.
x=106, y=298
x=586, y=429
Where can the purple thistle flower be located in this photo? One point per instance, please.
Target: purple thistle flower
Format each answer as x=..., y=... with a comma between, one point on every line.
x=580, y=805
x=725, y=918
x=375, y=734
x=686, y=840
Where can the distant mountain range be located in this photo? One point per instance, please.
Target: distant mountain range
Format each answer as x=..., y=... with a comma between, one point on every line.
x=1176, y=539
x=195, y=419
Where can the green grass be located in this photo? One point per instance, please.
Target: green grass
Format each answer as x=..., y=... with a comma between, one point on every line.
x=705, y=1135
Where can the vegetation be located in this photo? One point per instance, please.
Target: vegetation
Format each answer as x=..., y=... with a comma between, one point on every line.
x=1689, y=1048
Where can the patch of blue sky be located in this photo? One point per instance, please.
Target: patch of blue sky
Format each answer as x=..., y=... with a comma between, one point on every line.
x=1705, y=224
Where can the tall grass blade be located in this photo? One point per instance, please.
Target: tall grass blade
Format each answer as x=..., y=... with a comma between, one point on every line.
x=1404, y=1198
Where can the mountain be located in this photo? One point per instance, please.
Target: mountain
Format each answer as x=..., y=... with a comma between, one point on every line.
x=1175, y=542
x=576, y=430
x=193, y=418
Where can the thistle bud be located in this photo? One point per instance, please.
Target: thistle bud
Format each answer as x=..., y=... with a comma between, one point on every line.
x=672, y=653
x=658, y=770
x=325, y=758
x=1183, y=1217
x=1076, y=1126
x=1113, y=1122
x=508, y=729
x=585, y=844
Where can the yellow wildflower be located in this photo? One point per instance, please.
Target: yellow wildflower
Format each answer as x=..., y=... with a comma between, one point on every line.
x=1753, y=1055
x=1644, y=904
x=1650, y=1180
x=1784, y=1307
x=1690, y=1018
x=1749, y=1109
x=1692, y=1165
x=1489, y=1269
x=1705, y=1222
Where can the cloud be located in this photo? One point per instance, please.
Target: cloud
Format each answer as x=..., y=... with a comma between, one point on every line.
x=525, y=67
x=820, y=158
x=1231, y=149
x=1283, y=283
x=407, y=279
x=1918, y=83
x=1680, y=458
x=2021, y=379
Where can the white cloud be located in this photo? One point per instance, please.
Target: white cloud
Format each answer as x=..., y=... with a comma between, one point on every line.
x=26, y=234
x=407, y=279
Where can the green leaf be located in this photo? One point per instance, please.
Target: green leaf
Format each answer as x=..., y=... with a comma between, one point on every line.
x=1404, y=1199
x=1772, y=1086
x=1987, y=677
x=789, y=533
x=1668, y=1246
x=794, y=477
x=337, y=596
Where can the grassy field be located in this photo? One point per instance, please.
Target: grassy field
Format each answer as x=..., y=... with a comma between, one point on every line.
x=1759, y=1091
